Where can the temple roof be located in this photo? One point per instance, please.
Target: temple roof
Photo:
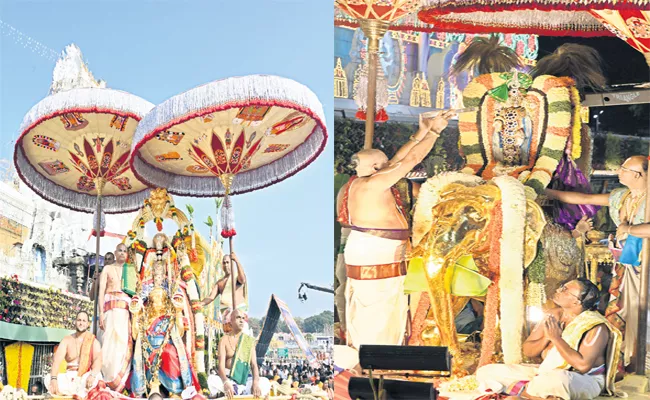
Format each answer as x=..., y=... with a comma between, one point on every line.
x=71, y=72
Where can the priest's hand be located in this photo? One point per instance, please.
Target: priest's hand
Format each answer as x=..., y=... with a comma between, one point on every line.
x=101, y=321
x=552, y=329
x=623, y=230
x=54, y=386
x=229, y=390
x=257, y=392
x=584, y=225
x=90, y=381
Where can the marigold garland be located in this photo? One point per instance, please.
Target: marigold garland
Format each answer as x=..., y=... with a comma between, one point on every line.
x=19, y=358
x=576, y=148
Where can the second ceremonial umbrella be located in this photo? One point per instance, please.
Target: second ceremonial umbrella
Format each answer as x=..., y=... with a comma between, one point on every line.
x=227, y=137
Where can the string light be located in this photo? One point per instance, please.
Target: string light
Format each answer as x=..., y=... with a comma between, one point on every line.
x=27, y=42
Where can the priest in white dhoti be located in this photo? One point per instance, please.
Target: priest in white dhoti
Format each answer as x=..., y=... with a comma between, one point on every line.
x=82, y=353
x=580, y=350
x=376, y=250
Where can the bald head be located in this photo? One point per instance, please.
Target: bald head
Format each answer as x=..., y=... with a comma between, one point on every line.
x=634, y=172
x=237, y=320
x=120, y=254
x=368, y=161
x=638, y=161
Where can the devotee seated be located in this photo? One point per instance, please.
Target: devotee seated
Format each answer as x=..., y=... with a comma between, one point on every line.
x=237, y=369
x=83, y=356
x=579, y=348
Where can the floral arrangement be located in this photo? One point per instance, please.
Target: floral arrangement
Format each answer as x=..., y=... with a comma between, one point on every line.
x=26, y=304
x=466, y=383
x=10, y=393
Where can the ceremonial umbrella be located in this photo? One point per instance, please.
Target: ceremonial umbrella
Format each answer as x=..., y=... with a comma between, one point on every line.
x=73, y=150
x=375, y=17
x=541, y=17
x=633, y=26
x=229, y=137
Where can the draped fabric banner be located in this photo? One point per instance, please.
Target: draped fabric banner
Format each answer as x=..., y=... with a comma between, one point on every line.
x=277, y=309
x=9, y=331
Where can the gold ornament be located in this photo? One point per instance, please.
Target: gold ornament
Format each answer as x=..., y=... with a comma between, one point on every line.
x=425, y=93
x=415, y=92
x=440, y=94
x=340, y=81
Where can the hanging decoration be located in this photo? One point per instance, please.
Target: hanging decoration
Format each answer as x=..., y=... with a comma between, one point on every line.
x=277, y=128
x=361, y=94
x=541, y=17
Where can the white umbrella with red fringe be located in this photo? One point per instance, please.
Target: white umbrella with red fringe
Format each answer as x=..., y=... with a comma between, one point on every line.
x=74, y=145
x=229, y=137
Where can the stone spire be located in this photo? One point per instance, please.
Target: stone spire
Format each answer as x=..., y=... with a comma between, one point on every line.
x=72, y=72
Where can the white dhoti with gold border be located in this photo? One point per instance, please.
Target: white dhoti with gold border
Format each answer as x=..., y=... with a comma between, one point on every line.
x=558, y=383
x=70, y=383
x=376, y=306
x=216, y=386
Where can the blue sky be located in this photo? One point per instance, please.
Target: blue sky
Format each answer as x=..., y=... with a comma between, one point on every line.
x=156, y=49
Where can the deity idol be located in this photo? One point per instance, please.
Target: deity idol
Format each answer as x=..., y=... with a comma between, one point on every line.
x=160, y=355
x=160, y=330
x=161, y=252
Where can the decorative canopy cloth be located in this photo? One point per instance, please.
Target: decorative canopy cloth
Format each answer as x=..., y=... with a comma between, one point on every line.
x=633, y=26
x=382, y=10
x=408, y=22
x=542, y=17
x=76, y=144
x=260, y=129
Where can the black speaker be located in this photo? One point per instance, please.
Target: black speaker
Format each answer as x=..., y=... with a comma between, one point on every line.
x=420, y=358
x=359, y=388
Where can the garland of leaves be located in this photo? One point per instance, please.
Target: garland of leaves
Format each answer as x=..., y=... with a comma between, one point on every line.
x=25, y=304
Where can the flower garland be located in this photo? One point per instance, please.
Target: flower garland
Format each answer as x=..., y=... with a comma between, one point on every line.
x=19, y=358
x=576, y=148
x=536, y=272
x=466, y=383
x=511, y=284
x=10, y=393
x=27, y=304
x=191, y=286
x=558, y=129
x=429, y=196
x=492, y=299
x=550, y=95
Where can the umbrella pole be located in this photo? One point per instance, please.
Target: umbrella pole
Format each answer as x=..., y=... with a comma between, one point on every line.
x=232, y=275
x=641, y=337
x=374, y=31
x=96, y=274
